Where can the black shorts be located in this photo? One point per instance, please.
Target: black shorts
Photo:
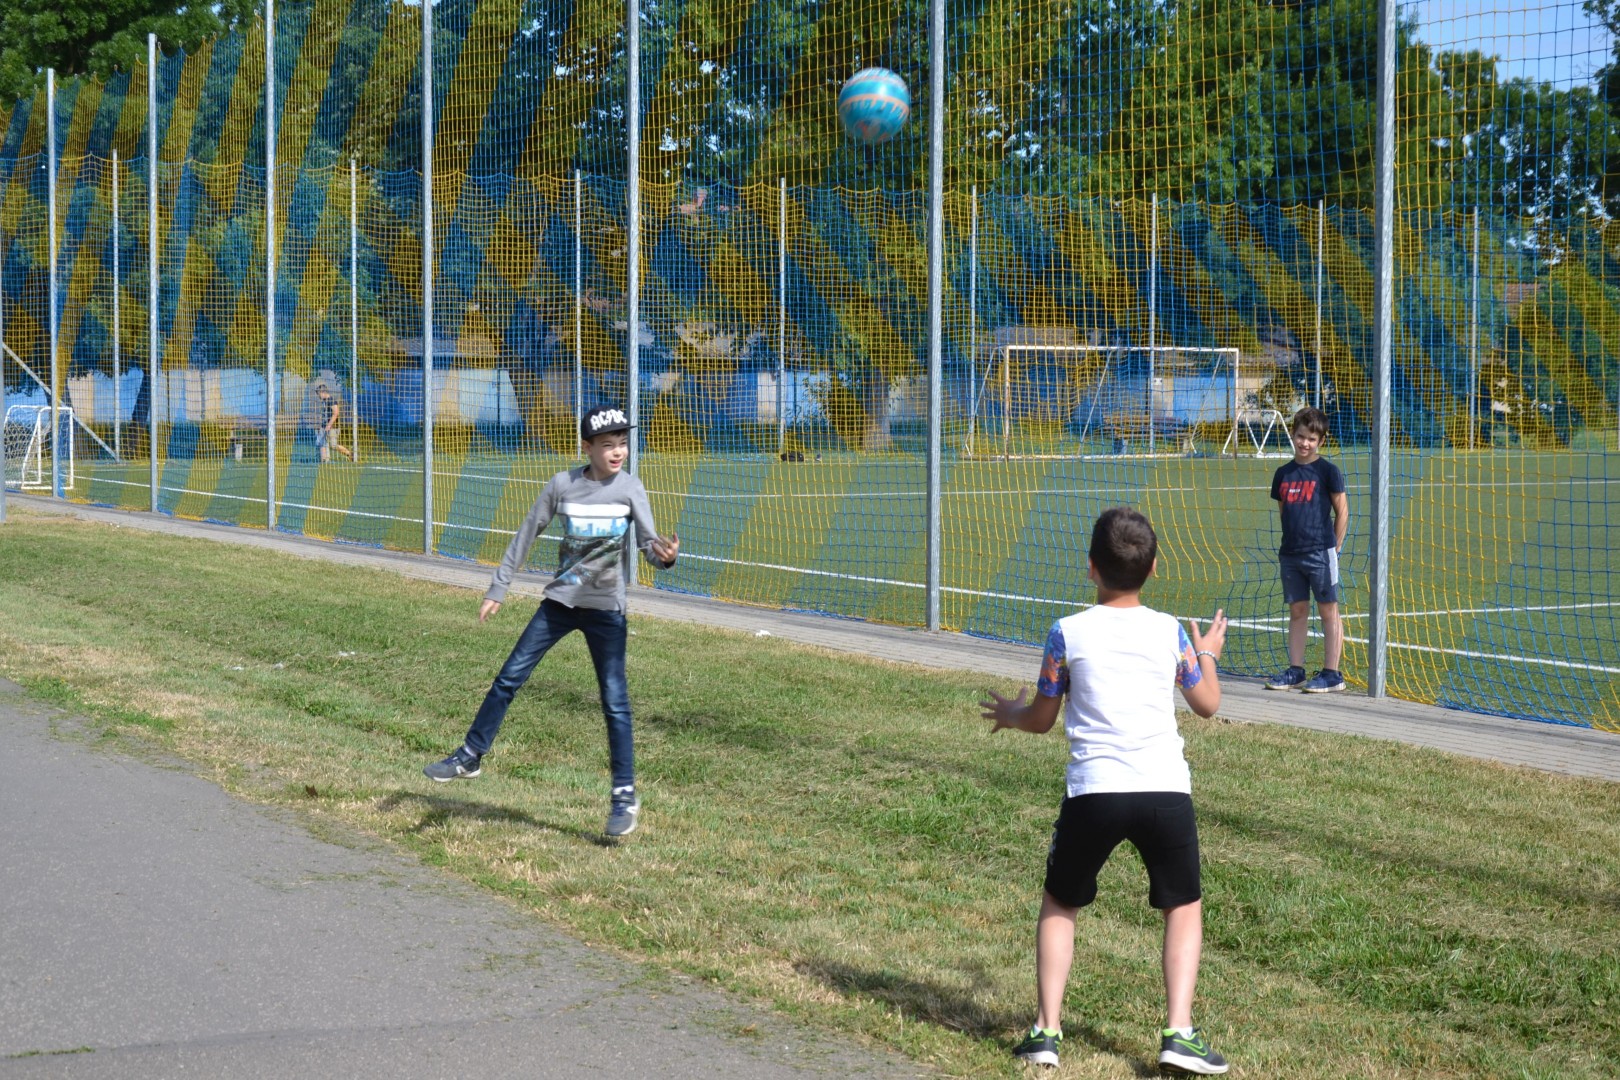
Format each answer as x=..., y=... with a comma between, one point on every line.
x=1159, y=824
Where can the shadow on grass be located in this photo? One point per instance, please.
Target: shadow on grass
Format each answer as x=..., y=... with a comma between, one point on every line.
x=953, y=1009
x=437, y=810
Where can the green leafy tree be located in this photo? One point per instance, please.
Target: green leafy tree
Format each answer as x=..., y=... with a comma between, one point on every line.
x=1037, y=89
x=1190, y=126
x=1258, y=101
x=1541, y=152
x=1607, y=12
x=98, y=37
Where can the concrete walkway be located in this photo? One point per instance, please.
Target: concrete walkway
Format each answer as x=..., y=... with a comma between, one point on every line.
x=155, y=927
x=1555, y=748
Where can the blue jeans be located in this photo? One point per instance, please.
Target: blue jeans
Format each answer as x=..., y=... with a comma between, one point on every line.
x=605, y=633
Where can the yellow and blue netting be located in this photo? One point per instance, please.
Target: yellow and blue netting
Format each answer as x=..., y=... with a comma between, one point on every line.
x=1197, y=178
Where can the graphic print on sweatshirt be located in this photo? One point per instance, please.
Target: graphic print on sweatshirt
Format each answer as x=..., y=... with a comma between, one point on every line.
x=593, y=542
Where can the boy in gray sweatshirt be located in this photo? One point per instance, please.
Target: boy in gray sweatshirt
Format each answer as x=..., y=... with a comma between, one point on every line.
x=598, y=502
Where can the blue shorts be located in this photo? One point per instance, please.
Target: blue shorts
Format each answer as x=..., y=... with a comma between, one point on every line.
x=1315, y=573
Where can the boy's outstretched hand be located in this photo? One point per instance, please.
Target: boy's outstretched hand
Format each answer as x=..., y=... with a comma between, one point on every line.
x=1004, y=711
x=1021, y=714
x=1211, y=640
x=666, y=548
x=488, y=608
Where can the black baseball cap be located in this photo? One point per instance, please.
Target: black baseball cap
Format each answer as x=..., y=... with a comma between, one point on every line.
x=603, y=420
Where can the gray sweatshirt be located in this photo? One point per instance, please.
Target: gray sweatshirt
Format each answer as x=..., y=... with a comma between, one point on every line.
x=596, y=517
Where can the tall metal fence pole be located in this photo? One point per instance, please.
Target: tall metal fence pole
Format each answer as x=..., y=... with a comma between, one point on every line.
x=51, y=296
x=152, y=268
x=1383, y=314
x=354, y=312
x=973, y=317
x=272, y=403
x=1321, y=239
x=1473, y=342
x=936, y=300
x=117, y=287
x=1153, y=321
x=1006, y=401
x=427, y=276
x=579, y=297
x=632, y=172
x=781, y=314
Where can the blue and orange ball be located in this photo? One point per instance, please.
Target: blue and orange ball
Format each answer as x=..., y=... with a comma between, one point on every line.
x=874, y=104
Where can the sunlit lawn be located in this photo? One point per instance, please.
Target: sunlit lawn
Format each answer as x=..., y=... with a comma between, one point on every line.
x=842, y=838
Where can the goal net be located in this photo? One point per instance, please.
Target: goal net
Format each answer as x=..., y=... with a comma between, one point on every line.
x=26, y=435
x=1062, y=400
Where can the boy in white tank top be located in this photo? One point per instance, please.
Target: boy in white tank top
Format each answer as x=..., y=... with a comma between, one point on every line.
x=1119, y=663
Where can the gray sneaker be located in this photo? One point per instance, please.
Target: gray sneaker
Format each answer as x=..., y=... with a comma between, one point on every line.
x=622, y=816
x=461, y=765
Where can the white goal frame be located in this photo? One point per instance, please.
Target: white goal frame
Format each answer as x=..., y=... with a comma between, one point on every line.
x=1256, y=424
x=26, y=430
x=1157, y=400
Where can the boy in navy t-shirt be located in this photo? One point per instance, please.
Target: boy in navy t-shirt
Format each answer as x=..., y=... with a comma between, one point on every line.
x=1315, y=514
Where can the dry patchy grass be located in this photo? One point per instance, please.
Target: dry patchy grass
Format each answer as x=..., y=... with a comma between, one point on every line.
x=842, y=838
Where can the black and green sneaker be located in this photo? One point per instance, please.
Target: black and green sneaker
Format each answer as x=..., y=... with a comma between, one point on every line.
x=1040, y=1047
x=1180, y=1055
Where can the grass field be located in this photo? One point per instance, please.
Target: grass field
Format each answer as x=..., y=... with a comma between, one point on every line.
x=842, y=838
x=1502, y=588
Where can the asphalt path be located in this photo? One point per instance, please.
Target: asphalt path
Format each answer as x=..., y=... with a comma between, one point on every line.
x=153, y=926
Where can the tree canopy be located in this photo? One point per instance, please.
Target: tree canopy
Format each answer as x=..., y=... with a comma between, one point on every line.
x=99, y=37
x=1221, y=100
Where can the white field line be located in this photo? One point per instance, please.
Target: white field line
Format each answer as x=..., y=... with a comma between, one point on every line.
x=1266, y=625
x=918, y=493
x=322, y=509
x=1458, y=611
x=915, y=493
x=1261, y=625
x=1498, y=657
x=1069, y=605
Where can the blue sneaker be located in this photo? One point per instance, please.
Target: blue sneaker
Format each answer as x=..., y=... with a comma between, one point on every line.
x=1291, y=679
x=1326, y=681
x=461, y=765
x=1181, y=1054
x=622, y=815
x=1039, y=1047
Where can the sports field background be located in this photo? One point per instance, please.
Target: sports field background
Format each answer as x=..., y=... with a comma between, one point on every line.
x=1128, y=188
x=845, y=538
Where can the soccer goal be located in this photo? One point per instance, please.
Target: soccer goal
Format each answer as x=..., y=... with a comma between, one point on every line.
x=1260, y=431
x=1062, y=400
x=27, y=438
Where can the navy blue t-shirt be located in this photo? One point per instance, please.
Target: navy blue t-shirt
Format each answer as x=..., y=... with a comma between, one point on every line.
x=1306, y=494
